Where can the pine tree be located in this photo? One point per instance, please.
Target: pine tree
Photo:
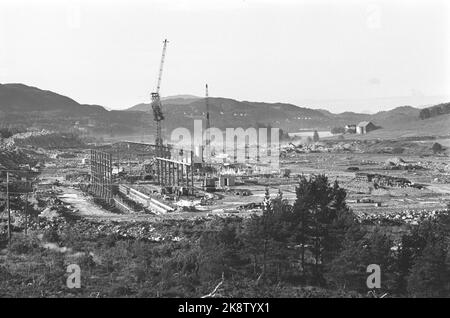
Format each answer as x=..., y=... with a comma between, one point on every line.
x=341, y=220
x=429, y=275
x=348, y=269
x=302, y=217
x=321, y=219
x=264, y=237
x=316, y=136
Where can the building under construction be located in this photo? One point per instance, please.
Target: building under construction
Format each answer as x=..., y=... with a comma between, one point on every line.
x=135, y=177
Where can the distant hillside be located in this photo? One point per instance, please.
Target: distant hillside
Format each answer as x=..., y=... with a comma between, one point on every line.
x=396, y=116
x=227, y=112
x=434, y=111
x=21, y=98
x=173, y=100
x=27, y=106
x=181, y=98
x=434, y=126
x=142, y=107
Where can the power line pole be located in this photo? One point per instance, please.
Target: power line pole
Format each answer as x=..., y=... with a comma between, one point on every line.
x=8, y=207
x=26, y=213
x=208, y=126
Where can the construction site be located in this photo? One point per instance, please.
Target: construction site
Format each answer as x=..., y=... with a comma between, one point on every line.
x=126, y=204
x=244, y=150
x=207, y=178
x=161, y=178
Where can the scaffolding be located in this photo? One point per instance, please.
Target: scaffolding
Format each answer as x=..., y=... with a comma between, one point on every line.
x=101, y=175
x=175, y=169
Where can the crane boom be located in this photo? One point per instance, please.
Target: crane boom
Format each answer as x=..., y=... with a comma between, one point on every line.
x=161, y=65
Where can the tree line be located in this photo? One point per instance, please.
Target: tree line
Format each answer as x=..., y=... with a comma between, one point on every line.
x=314, y=247
x=317, y=241
x=434, y=111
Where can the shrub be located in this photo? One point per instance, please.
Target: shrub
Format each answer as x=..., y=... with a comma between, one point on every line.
x=23, y=245
x=118, y=290
x=51, y=236
x=337, y=130
x=437, y=147
x=397, y=150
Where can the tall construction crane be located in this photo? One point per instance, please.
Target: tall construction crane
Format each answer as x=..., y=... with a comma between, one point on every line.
x=208, y=123
x=156, y=104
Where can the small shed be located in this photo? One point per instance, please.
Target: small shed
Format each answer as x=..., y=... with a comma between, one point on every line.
x=225, y=181
x=364, y=127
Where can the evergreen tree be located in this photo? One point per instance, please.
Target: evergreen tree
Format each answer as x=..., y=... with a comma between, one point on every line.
x=321, y=218
x=302, y=218
x=265, y=237
x=341, y=220
x=348, y=269
x=430, y=274
x=316, y=136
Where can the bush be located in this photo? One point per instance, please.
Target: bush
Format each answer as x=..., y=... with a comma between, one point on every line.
x=6, y=132
x=437, y=147
x=397, y=150
x=118, y=290
x=436, y=110
x=51, y=236
x=86, y=261
x=23, y=245
x=337, y=130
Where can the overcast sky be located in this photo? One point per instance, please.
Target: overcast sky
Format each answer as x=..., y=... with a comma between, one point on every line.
x=340, y=55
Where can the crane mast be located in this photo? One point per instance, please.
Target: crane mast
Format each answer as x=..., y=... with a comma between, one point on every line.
x=156, y=103
x=208, y=125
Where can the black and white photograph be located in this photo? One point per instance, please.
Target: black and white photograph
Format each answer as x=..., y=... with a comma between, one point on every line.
x=224, y=155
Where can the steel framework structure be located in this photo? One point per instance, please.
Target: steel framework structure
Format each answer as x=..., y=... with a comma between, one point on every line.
x=101, y=174
x=175, y=168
